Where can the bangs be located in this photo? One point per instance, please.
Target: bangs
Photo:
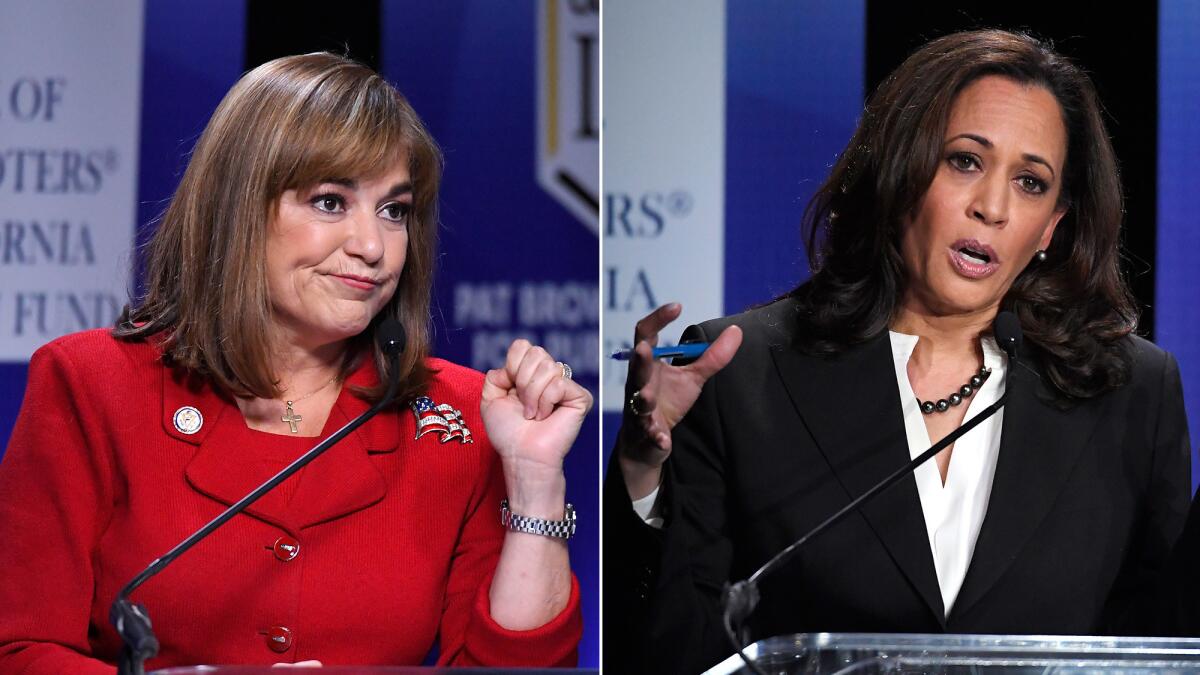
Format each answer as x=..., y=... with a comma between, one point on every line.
x=345, y=128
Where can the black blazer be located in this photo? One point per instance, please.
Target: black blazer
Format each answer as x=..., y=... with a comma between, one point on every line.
x=1086, y=504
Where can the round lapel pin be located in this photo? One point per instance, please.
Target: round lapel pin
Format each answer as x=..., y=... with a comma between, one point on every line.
x=188, y=420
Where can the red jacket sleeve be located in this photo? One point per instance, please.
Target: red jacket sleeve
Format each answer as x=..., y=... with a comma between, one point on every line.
x=469, y=636
x=55, y=499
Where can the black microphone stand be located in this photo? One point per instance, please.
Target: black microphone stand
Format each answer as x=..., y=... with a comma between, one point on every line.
x=741, y=598
x=132, y=621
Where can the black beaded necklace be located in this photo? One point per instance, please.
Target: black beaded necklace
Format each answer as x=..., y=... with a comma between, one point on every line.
x=965, y=391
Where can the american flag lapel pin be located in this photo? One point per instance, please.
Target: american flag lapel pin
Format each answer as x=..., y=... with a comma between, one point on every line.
x=442, y=419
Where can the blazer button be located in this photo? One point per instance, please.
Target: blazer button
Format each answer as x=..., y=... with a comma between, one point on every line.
x=286, y=548
x=279, y=639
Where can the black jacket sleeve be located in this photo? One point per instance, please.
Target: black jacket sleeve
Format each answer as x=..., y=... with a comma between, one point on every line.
x=1159, y=589
x=662, y=588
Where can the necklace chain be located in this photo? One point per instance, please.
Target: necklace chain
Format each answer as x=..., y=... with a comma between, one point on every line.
x=290, y=417
x=315, y=391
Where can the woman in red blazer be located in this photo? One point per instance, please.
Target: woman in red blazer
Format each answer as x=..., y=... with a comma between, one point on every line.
x=307, y=215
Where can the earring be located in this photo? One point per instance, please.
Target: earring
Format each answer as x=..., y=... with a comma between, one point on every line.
x=1040, y=256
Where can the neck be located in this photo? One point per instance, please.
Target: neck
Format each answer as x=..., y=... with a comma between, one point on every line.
x=306, y=377
x=949, y=340
x=303, y=370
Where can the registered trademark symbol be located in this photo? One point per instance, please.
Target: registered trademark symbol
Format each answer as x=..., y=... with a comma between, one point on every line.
x=110, y=159
x=679, y=203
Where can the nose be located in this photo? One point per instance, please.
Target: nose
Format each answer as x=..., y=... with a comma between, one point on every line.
x=363, y=238
x=989, y=203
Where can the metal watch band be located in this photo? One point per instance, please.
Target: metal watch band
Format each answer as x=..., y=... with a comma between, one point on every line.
x=559, y=529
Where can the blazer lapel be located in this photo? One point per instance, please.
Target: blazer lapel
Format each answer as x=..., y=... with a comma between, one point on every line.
x=1030, y=472
x=344, y=479
x=223, y=467
x=851, y=406
x=227, y=466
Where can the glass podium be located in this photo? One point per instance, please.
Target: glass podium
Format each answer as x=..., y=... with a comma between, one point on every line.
x=366, y=670
x=865, y=653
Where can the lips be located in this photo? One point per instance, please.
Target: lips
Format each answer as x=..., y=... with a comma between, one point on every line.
x=974, y=259
x=356, y=281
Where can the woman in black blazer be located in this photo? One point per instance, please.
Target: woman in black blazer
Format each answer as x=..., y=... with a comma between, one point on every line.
x=980, y=179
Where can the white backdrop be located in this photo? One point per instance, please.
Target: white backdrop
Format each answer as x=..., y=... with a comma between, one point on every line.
x=664, y=176
x=68, y=166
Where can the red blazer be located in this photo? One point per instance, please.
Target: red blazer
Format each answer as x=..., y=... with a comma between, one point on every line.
x=397, y=538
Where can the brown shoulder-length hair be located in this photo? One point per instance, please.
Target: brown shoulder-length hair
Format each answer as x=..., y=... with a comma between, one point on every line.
x=288, y=124
x=1074, y=307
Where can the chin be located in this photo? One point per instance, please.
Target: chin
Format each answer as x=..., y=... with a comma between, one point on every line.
x=963, y=305
x=960, y=297
x=341, y=331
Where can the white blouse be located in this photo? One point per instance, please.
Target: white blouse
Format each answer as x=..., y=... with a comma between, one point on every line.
x=953, y=512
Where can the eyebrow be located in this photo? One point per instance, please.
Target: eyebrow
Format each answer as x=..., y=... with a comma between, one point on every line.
x=399, y=189
x=396, y=190
x=1028, y=157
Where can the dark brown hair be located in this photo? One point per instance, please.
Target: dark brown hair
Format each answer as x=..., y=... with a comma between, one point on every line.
x=288, y=124
x=1074, y=308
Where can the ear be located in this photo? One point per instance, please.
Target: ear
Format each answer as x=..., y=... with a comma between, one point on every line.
x=1044, y=242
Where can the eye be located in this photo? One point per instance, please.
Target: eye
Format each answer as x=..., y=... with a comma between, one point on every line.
x=329, y=203
x=396, y=211
x=963, y=161
x=1033, y=185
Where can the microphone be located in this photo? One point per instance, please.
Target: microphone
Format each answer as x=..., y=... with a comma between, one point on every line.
x=132, y=622
x=391, y=339
x=1007, y=331
x=741, y=598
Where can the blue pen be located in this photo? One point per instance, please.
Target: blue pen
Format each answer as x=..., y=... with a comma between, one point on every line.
x=690, y=350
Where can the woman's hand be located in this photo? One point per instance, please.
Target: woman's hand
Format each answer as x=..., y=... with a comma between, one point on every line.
x=658, y=395
x=532, y=414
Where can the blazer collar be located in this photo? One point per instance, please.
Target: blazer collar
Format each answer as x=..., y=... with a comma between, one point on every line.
x=864, y=445
x=1039, y=445
x=1030, y=470
x=227, y=465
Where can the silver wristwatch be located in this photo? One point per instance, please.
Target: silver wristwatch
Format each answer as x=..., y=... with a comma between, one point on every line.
x=559, y=529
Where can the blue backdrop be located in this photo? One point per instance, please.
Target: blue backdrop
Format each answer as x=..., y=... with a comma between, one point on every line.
x=1177, y=288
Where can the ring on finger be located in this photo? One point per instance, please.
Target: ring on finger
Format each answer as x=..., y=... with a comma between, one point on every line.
x=566, y=370
x=636, y=403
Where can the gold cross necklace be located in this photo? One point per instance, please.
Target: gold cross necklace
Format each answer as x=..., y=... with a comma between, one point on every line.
x=291, y=417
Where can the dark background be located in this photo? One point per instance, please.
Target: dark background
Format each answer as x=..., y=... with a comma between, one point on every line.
x=1117, y=45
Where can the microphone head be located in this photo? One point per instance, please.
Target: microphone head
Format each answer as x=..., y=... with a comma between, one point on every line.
x=391, y=337
x=1007, y=330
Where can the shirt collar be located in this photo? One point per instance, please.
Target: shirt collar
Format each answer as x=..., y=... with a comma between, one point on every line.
x=904, y=344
